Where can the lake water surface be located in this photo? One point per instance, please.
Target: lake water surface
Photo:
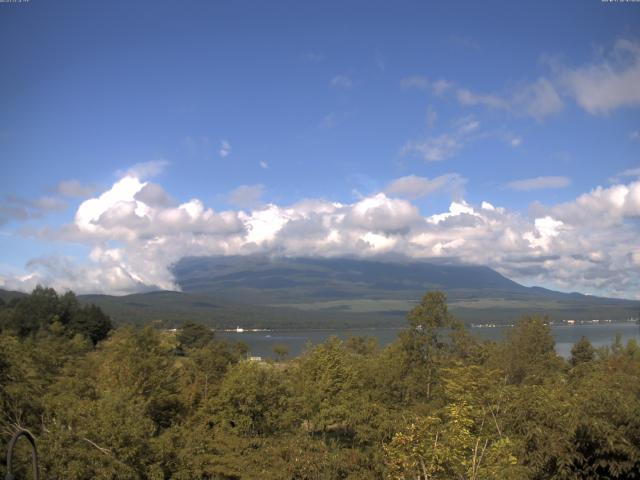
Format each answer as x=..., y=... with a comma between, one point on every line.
x=261, y=343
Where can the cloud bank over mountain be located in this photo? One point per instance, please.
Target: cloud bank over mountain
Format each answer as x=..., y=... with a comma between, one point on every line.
x=135, y=231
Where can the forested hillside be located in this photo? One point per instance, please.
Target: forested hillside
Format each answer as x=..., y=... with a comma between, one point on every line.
x=136, y=403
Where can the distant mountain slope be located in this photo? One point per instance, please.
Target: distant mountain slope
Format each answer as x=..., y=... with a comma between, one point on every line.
x=292, y=280
x=171, y=309
x=258, y=291
x=382, y=288
x=8, y=295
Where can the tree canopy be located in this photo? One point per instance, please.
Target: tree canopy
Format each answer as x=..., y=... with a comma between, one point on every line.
x=438, y=403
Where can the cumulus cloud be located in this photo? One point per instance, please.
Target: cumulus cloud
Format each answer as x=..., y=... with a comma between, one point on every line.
x=610, y=82
x=135, y=232
x=145, y=169
x=246, y=196
x=154, y=195
x=414, y=187
x=539, y=183
x=73, y=188
x=382, y=215
x=602, y=206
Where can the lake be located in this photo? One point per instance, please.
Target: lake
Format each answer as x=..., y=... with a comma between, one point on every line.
x=261, y=343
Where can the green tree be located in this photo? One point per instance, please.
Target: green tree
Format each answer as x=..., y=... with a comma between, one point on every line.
x=327, y=383
x=528, y=354
x=203, y=369
x=194, y=335
x=252, y=400
x=43, y=311
x=32, y=312
x=423, y=344
x=582, y=352
x=91, y=322
x=138, y=362
x=462, y=439
x=449, y=446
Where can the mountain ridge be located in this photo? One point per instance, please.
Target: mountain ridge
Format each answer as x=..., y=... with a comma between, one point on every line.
x=302, y=292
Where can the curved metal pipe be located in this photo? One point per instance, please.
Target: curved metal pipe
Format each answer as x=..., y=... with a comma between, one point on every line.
x=34, y=454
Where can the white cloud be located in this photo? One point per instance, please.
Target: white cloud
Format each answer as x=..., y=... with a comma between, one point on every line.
x=246, y=196
x=609, y=83
x=135, y=234
x=625, y=174
x=413, y=187
x=467, y=97
x=154, y=195
x=341, y=81
x=381, y=214
x=631, y=172
x=435, y=149
x=122, y=193
x=440, y=86
x=73, y=188
x=440, y=147
x=225, y=148
x=145, y=169
x=539, y=183
x=455, y=209
x=515, y=141
x=545, y=229
x=602, y=206
x=537, y=100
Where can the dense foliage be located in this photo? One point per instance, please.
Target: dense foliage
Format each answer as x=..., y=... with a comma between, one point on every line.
x=436, y=404
x=46, y=312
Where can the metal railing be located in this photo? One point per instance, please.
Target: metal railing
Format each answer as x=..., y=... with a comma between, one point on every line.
x=34, y=455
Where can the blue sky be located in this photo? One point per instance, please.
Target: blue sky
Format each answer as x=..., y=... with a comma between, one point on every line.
x=383, y=113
